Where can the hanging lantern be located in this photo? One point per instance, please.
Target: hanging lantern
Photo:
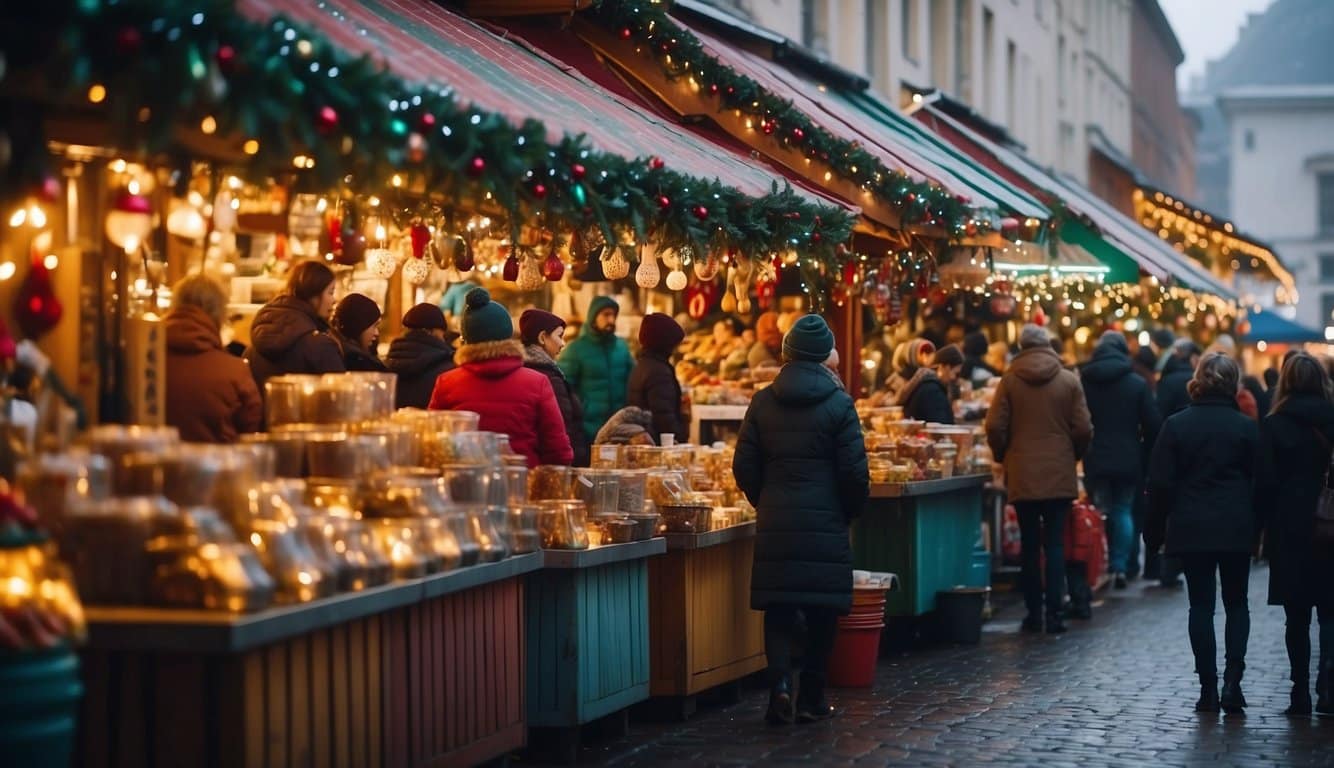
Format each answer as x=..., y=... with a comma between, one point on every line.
x=677, y=280
x=381, y=263
x=616, y=266
x=648, y=274
x=530, y=276
x=187, y=222
x=129, y=222
x=416, y=271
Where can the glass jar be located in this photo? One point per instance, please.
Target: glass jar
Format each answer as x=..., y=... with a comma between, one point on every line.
x=287, y=397
x=644, y=456
x=116, y=442
x=402, y=543
x=381, y=390
x=493, y=542
x=560, y=523
x=294, y=568
x=288, y=444
x=338, y=399
x=878, y=467
x=338, y=454
x=524, y=537
x=210, y=576
x=666, y=487
x=54, y=484
x=606, y=456
x=189, y=475
x=599, y=489
x=516, y=484
x=334, y=496
x=396, y=495
x=946, y=453
x=104, y=543
x=440, y=538
x=466, y=482
x=397, y=442
x=477, y=447
x=470, y=549
x=548, y=482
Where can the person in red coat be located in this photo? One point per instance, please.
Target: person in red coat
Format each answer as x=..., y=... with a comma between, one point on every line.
x=492, y=381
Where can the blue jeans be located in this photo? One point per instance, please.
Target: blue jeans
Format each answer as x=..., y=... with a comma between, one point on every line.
x=1116, y=499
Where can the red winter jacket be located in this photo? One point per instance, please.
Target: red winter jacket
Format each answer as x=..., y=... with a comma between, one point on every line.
x=512, y=399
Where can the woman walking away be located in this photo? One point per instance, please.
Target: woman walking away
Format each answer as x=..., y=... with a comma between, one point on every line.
x=1201, y=492
x=1294, y=464
x=800, y=459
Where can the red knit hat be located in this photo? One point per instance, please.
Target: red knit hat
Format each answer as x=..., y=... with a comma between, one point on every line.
x=536, y=321
x=660, y=333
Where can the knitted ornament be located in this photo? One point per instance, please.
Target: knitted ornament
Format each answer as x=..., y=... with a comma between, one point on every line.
x=416, y=271
x=615, y=267
x=381, y=263
x=648, y=274
x=677, y=280
x=530, y=275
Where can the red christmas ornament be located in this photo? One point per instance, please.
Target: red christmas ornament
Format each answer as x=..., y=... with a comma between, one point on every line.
x=764, y=292
x=713, y=89
x=128, y=41
x=1039, y=317
x=798, y=134
x=816, y=237
x=49, y=189
x=463, y=256
x=625, y=33
x=655, y=163
x=577, y=172
x=768, y=127
x=353, y=250
x=912, y=197
x=664, y=202
x=511, y=271
x=226, y=58
x=476, y=166
x=37, y=309
x=553, y=269
x=701, y=212
x=421, y=235
x=539, y=190
x=326, y=121
x=427, y=121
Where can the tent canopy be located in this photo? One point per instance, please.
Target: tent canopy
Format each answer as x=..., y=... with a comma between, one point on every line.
x=1269, y=327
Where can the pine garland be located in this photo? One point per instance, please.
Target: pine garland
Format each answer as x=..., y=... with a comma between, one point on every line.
x=295, y=106
x=681, y=54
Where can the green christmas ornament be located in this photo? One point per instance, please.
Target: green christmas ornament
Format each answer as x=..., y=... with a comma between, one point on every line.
x=580, y=196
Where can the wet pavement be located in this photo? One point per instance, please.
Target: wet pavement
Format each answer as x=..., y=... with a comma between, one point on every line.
x=1118, y=690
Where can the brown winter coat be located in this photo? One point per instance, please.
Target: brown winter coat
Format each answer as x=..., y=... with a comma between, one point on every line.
x=1039, y=426
x=211, y=396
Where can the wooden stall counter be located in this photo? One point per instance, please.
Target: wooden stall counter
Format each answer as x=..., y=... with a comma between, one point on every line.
x=420, y=672
x=704, y=633
x=588, y=637
x=926, y=532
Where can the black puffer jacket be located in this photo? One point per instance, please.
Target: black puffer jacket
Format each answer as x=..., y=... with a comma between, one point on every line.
x=288, y=337
x=801, y=461
x=1172, y=393
x=570, y=408
x=418, y=358
x=925, y=398
x=653, y=387
x=1294, y=456
x=1202, y=480
x=1125, y=417
x=357, y=357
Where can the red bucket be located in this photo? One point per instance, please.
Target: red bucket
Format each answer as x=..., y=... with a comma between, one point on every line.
x=852, y=664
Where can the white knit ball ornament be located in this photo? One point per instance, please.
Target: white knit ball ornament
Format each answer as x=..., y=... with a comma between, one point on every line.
x=648, y=275
x=530, y=275
x=615, y=267
x=416, y=271
x=381, y=263
x=676, y=280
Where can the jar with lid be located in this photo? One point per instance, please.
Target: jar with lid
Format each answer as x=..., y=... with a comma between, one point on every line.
x=548, y=482
x=947, y=452
x=599, y=489
x=666, y=487
x=560, y=523
x=210, y=576
x=56, y=483
x=607, y=456
x=294, y=568
x=644, y=456
x=338, y=399
x=493, y=543
x=189, y=475
x=286, y=398
x=104, y=543
x=630, y=491
x=117, y=442
x=402, y=542
x=524, y=537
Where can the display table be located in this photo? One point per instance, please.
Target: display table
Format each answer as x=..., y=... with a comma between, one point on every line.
x=926, y=532
x=704, y=633
x=704, y=414
x=423, y=671
x=588, y=636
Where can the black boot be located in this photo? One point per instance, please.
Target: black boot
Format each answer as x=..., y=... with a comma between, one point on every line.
x=811, y=703
x=1208, y=697
x=780, y=703
x=1055, y=624
x=1300, y=700
x=1324, y=690
x=1231, y=698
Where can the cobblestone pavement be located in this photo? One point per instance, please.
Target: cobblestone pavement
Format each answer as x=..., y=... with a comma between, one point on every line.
x=1118, y=690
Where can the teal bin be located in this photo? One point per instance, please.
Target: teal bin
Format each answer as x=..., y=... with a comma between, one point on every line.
x=39, y=707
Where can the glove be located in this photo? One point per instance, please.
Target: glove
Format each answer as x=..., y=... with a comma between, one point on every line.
x=27, y=354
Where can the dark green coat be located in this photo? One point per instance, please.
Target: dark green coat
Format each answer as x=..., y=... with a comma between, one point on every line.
x=598, y=368
x=801, y=460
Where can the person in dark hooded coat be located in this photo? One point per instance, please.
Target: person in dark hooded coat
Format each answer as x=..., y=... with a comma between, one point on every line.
x=420, y=355
x=543, y=336
x=1295, y=445
x=597, y=364
x=653, y=385
x=291, y=333
x=356, y=328
x=1180, y=366
x=801, y=460
x=1125, y=424
x=926, y=396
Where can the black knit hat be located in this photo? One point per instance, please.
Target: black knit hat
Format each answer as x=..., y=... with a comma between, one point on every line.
x=948, y=355
x=810, y=339
x=534, y=322
x=354, y=314
x=425, y=317
x=484, y=320
x=660, y=333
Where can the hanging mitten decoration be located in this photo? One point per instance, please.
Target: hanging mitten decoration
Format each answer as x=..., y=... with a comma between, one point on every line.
x=37, y=309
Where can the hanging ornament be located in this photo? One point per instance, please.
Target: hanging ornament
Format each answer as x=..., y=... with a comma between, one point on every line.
x=381, y=263
x=577, y=172
x=416, y=147
x=530, y=274
x=580, y=196
x=187, y=222
x=464, y=259
x=326, y=120
x=655, y=163
x=553, y=269
x=664, y=202
x=416, y=271
x=699, y=298
x=354, y=248
x=706, y=269
x=616, y=266
x=226, y=59
x=743, y=306
x=510, y=272
x=677, y=280
x=1039, y=317
x=129, y=222
x=37, y=310
x=476, y=167
x=539, y=191
x=420, y=235
x=729, y=302
x=701, y=212
x=648, y=274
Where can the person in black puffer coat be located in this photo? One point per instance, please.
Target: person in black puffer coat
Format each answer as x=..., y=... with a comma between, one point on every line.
x=653, y=385
x=1172, y=394
x=801, y=460
x=1202, y=505
x=291, y=333
x=1125, y=424
x=926, y=397
x=543, y=337
x=356, y=328
x=420, y=355
x=1295, y=445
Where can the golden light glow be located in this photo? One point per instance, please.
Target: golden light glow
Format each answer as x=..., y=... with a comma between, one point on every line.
x=251, y=147
x=208, y=125
x=97, y=93
x=7, y=270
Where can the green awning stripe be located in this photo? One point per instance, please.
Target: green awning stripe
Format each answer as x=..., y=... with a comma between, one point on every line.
x=1124, y=269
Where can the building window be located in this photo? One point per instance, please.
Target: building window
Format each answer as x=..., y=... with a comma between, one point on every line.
x=1011, y=114
x=911, y=48
x=963, y=50
x=987, y=98
x=1325, y=198
x=1326, y=309
x=1249, y=140
x=1327, y=267
x=1060, y=71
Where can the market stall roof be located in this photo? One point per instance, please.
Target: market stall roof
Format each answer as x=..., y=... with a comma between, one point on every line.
x=423, y=42
x=1153, y=255
x=1272, y=328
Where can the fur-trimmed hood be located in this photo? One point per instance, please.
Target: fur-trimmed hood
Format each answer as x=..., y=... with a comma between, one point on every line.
x=491, y=359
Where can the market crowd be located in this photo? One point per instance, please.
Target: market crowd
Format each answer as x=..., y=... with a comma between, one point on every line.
x=1196, y=468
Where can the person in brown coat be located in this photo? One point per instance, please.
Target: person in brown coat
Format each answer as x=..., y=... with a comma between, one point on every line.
x=1039, y=426
x=211, y=396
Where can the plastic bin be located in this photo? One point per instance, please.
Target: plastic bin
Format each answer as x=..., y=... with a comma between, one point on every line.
x=959, y=613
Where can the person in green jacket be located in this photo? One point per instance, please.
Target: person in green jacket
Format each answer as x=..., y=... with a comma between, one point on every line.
x=598, y=365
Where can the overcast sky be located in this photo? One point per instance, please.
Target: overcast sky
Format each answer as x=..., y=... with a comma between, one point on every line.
x=1206, y=29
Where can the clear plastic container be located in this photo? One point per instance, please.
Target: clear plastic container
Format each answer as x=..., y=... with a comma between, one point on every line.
x=644, y=456
x=477, y=447
x=397, y=442
x=402, y=542
x=548, y=482
x=466, y=482
x=288, y=443
x=666, y=487
x=631, y=491
x=55, y=484
x=524, y=537
x=492, y=543
x=599, y=489
x=286, y=399
x=337, y=399
x=296, y=572
x=561, y=524
x=440, y=538
x=208, y=576
x=117, y=442
x=516, y=484
x=470, y=549
x=189, y=475
x=607, y=456
x=104, y=543
x=381, y=389
x=338, y=454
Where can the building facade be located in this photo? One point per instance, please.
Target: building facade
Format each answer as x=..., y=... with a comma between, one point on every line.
x=1163, y=134
x=1281, y=150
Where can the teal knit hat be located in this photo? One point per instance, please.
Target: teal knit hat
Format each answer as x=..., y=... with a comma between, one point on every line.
x=484, y=320
x=810, y=339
